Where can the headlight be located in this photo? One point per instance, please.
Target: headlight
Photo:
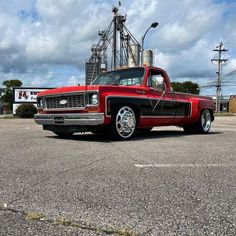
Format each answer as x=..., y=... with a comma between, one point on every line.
x=94, y=99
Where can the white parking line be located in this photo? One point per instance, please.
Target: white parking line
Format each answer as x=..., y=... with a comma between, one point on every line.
x=182, y=165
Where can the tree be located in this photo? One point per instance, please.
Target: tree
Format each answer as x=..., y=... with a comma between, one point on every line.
x=1, y=91
x=186, y=87
x=7, y=91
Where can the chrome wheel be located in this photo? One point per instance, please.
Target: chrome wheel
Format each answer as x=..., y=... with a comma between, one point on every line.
x=125, y=122
x=205, y=120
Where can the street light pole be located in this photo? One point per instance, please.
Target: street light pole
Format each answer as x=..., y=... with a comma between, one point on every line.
x=153, y=25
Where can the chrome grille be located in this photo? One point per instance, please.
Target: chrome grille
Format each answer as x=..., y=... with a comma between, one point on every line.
x=72, y=101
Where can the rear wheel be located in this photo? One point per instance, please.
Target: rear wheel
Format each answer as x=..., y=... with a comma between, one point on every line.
x=123, y=122
x=202, y=126
x=204, y=123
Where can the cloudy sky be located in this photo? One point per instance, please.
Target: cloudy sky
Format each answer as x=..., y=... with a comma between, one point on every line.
x=45, y=43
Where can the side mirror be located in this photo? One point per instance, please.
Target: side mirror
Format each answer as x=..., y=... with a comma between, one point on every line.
x=159, y=83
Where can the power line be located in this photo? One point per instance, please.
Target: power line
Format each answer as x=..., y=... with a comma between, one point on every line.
x=188, y=45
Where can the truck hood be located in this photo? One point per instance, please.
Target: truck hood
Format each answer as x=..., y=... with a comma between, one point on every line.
x=68, y=89
x=102, y=88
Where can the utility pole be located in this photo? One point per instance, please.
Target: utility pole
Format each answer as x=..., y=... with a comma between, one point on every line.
x=220, y=63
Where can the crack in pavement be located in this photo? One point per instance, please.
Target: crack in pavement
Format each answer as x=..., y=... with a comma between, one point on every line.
x=109, y=230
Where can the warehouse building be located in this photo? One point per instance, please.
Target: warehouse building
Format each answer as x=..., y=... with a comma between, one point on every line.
x=227, y=103
x=232, y=104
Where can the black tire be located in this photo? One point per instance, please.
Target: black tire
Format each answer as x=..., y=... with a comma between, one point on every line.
x=202, y=126
x=123, y=123
x=63, y=134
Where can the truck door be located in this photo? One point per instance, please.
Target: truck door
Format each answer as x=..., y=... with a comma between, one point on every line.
x=162, y=102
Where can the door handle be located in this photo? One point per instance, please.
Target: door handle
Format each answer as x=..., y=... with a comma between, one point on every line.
x=140, y=91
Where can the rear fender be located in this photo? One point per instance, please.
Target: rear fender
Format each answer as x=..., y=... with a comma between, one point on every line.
x=205, y=104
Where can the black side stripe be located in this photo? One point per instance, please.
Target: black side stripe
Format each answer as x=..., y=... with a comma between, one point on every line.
x=169, y=108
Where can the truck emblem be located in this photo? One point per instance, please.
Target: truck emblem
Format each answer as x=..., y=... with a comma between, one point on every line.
x=63, y=102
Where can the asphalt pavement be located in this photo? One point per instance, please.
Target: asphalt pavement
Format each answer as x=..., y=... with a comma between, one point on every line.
x=161, y=183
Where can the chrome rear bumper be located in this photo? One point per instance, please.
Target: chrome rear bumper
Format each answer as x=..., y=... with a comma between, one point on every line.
x=70, y=119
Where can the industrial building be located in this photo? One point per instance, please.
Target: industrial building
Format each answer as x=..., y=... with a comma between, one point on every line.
x=116, y=48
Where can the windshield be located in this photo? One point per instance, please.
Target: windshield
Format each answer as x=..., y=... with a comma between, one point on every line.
x=126, y=77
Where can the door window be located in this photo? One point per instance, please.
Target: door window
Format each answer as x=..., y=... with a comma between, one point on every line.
x=156, y=80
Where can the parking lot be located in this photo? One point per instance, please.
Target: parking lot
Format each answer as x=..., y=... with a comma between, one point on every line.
x=162, y=183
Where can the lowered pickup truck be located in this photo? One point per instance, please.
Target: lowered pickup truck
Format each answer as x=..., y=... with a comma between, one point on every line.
x=122, y=101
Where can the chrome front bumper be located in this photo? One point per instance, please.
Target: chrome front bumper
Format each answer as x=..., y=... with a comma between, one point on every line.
x=70, y=119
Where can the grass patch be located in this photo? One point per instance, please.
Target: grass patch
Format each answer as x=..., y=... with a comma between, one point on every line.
x=109, y=230
x=63, y=221
x=34, y=216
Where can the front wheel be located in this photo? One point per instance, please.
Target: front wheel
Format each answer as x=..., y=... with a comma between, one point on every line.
x=123, y=122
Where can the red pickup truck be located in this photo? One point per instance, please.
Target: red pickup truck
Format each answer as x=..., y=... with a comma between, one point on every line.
x=122, y=101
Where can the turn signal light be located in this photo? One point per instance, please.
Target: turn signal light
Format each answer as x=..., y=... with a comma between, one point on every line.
x=41, y=111
x=92, y=109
